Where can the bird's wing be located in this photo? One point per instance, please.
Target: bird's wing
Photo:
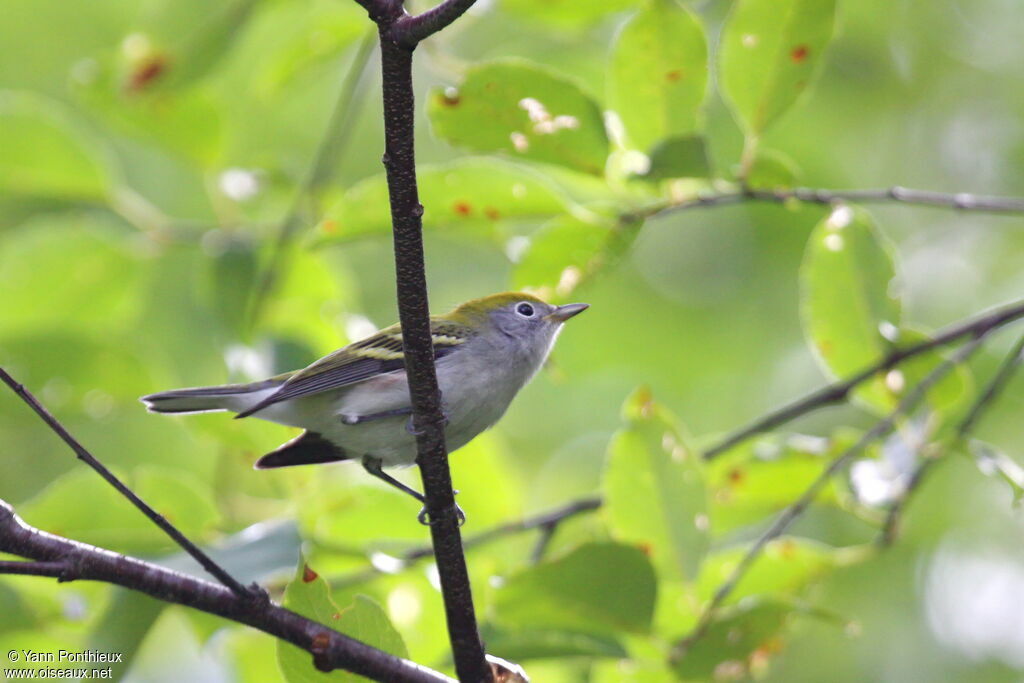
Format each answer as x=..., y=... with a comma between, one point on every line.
x=361, y=361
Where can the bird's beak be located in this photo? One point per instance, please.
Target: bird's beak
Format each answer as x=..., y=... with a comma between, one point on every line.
x=563, y=313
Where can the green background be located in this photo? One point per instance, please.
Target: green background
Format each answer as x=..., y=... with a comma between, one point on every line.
x=126, y=269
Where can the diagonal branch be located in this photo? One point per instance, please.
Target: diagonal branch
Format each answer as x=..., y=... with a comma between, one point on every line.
x=68, y=560
x=410, y=30
x=218, y=572
x=838, y=391
x=797, y=508
x=961, y=201
x=991, y=392
x=546, y=522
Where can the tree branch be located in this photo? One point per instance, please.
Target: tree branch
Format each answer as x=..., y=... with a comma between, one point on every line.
x=796, y=509
x=414, y=317
x=838, y=391
x=70, y=560
x=218, y=572
x=545, y=521
x=991, y=392
x=961, y=201
x=408, y=31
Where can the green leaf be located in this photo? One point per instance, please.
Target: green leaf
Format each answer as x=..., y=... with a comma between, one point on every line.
x=734, y=639
x=187, y=122
x=785, y=566
x=524, y=644
x=945, y=397
x=562, y=254
x=758, y=479
x=253, y=554
x=47, y=153
x=187, y=38
x=654, y=489
x=101, y=516
x=232, y=277
x=471, y=196
x=847, y=300
x=566, y=14
x=658, y=73
x=771, y=51
x=583, y=592
x=101, y=290
x=124, y=625
x=309, y=595
x=993, y=462
x=772, y=170
x=681, y=157
x=524, y=111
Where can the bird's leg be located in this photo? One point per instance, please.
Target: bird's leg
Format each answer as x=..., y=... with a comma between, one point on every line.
x=375, y=467
x=357, y=419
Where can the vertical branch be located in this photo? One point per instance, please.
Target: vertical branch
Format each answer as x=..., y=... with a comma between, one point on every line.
x=428, y=420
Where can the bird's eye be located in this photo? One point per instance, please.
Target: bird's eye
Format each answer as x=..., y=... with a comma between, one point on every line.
x=524, y=309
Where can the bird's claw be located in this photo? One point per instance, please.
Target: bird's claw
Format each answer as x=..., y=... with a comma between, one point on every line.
x=424, y=517
x=411, y=427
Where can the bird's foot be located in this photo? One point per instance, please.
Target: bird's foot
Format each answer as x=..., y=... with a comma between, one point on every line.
x=424, y=517
x=411, y=427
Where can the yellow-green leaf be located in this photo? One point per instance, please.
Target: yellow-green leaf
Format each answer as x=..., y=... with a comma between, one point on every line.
x=523, y=111
x=583, y=592
x=771, y=51
x=471, y=196
x=309, y=595
x=654, y=489
x=658, y=73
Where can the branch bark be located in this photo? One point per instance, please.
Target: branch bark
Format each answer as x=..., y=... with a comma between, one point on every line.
x=408, y=31
x=798, y=507
x=546, y=522
x=992, y=391
x=961, y=201
x=838, y=391
x=252, y=593
x=414, y=316
x=68, y=560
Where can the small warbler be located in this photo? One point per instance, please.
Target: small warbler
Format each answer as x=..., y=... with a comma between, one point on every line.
x=354, y=403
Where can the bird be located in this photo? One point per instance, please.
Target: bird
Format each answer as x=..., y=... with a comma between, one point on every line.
x=354, y=404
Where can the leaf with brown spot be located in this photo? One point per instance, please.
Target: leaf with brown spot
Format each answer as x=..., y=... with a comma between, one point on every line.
x=769, y=48
x=509, y=191
x=309, y=595
x=658, y=74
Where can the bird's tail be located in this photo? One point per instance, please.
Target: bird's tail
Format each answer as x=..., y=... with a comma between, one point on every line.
x=234, y=397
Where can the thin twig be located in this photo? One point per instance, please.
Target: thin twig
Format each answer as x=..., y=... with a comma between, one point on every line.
x=336, y=135
x=838, y=391
x=796, y=509
x=408, y=31
x=961, y=201
x=992, y=391
x=67, y=560
x=547, y=520
x=85, y=456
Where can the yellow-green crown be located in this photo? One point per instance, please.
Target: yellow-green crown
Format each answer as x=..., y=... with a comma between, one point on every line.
x=477, y=308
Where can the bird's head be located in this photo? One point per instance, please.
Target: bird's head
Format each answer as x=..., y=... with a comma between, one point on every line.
x=516, y=316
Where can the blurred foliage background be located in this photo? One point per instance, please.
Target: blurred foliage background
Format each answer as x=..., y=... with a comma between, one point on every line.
x=153, y=153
